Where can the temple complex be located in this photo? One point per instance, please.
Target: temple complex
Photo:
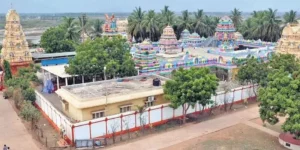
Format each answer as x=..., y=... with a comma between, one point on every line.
x=289, y=43
x=225, y=32
x=15, y=47
x=168, y=42
x=145, y=58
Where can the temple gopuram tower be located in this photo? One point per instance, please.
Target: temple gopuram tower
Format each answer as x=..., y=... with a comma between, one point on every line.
x=145, y=58
x=168, y=42
x=289, y=43
x=225, y=31
x=14, y=46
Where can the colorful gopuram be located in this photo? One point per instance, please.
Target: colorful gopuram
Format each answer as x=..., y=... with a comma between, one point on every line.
x=194, y=40
x=15, y=47
x=145, y=58
x=225, y=31
x=168, y=42
x=184, y=38
x=110, y=26
x=289, y=43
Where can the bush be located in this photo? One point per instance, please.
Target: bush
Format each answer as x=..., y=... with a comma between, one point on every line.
x=16, y=82
x=29, y=94
x=8, y=93
x=18, y=98
x=30, y=113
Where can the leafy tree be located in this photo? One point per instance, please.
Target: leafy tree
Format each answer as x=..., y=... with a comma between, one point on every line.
x=127, y=68
x=200, y=25
x=286, y=62
x=272, y=30
x=112, y=67
x=254, y=72
x=7, y=71
x=290, y=17
x=236, y=17
x=167, y=16
x=53, y=41
x=92, y=56
x=189, y=87
x=30, y=113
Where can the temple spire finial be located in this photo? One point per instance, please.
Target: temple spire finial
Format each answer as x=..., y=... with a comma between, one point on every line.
x=11, y=5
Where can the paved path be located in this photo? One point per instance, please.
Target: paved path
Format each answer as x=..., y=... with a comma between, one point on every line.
x=177, y=136
x=12, y=131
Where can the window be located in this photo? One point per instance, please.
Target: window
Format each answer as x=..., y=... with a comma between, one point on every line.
x=98, y=114
x=150, y=101
x=125, y=108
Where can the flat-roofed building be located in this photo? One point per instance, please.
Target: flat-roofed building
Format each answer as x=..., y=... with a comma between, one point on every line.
x=104, y=98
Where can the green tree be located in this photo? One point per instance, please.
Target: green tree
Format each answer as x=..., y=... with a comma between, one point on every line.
x=253, y=72
x=112, y=67
x=30, y=113
x=72, y=30
x=135, y=25
x=92, y=56
x=97, y=28
x=127, y=68
x=83, y=24
x=53, y=41
x=167, y=16
x=286, y=62
x=200, y=25
x=185, y=21
x=7, y=71
x=272, y=30
x=189, y=87
x=236, y=17
x=290, y=17
x=151, y=23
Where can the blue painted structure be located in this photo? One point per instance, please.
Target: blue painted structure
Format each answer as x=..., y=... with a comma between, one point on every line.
x=57, y=61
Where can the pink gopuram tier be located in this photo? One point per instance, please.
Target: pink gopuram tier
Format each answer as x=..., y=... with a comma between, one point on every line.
x=225, y=30
x=168, y=42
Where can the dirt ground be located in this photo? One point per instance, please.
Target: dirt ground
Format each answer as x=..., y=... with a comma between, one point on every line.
x=276, y=127
x=238, y=137
x=50, y=135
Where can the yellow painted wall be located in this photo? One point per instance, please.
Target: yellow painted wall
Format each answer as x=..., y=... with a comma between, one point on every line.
x=111, y=109
x=234, y=73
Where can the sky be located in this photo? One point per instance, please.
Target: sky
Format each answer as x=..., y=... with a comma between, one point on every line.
x=62, y=6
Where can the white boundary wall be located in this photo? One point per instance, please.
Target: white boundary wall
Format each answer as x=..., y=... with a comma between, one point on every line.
x=56, y=117
x=102, y=126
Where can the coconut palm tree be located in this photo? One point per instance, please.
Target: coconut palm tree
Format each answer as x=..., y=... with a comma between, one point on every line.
x=135, y=27
x=272, y=30
x=236, y=17
x=199, y=23
x=290, y=17
x=185, y=22
x=258, y=25
x=246, y=28
x=71, y=28
x=96, y=28
x=83, y=25
x=151, y=23
x=167, y=16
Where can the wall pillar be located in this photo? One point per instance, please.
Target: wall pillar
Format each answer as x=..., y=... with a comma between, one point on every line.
x=57, y=82
x=82, y=78
x=73, y=80
x=66, y=80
